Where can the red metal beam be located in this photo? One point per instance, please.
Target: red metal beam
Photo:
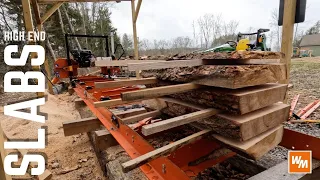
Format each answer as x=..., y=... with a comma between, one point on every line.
x=298, y=141
x=133, y=143
x=183, y=156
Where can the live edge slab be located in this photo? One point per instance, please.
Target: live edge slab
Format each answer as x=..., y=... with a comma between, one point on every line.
x=225, y=76
x=235, y=101
x=237, y=127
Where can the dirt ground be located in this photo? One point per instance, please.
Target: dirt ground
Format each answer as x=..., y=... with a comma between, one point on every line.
x=75, y=153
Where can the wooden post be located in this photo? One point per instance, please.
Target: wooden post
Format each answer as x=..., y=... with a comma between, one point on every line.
x=287, y=35
x=46, y=65
x=3, y=175
x=29, y=27
x=135, y=37
x=137, y=11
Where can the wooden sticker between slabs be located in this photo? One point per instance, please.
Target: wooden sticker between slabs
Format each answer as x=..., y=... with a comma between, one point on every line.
x=139, y=117
x=111, y=103
x=157, y=92
x=177, y=121
x=127, y=82
x=134, y=163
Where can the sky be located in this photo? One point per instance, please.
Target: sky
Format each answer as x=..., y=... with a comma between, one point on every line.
x=167, y=19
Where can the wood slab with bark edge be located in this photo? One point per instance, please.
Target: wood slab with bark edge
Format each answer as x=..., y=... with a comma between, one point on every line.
x=255, y=147
x=226, y=76
x=239, y=127
x=247, y=126
x=235, y=101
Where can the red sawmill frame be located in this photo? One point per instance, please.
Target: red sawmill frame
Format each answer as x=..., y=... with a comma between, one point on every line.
x=175, y=166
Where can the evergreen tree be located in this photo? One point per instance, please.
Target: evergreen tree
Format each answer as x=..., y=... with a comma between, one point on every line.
x=126, y=43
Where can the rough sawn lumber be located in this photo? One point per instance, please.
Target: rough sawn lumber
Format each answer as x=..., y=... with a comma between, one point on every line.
x=226, y=76
x=239, y=127
x=236, y=101
x=257, y=146
x=247, y=126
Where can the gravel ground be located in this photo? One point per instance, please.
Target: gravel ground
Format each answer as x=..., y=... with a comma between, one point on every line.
x=305, y=77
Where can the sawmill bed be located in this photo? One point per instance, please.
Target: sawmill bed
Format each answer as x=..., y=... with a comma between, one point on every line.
x=234, y=167
x=111, y=159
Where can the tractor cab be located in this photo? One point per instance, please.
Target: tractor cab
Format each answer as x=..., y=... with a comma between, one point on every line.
x=258, y=44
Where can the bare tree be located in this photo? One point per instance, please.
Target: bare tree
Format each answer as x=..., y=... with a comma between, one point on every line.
x=61, y=21
x=5, y=19
x=83, y=11
x=71, y=26
x=195, y=40
x=274, y=24
x=48, y=45
x=206, y=25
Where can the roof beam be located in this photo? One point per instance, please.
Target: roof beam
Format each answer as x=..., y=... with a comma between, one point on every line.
x=137, y=11
x=50, y=12
x=36, y=11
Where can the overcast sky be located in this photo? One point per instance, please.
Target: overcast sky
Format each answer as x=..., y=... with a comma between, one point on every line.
x=166, y=19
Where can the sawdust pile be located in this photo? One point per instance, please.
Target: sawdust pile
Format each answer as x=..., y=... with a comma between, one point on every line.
x=68, y=158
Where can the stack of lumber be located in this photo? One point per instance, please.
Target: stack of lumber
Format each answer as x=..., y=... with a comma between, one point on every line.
x=239, y=102
x=233, y=98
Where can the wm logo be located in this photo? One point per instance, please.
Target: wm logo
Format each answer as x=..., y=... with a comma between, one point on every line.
x=299, y=161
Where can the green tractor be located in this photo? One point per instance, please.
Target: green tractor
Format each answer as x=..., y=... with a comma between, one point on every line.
x=243, y=43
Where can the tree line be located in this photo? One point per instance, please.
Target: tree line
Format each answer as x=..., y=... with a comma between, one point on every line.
x=211, y=30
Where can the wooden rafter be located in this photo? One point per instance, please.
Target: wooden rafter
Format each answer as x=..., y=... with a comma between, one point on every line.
x=137, y=11
x=36, y=11
x=50, y=12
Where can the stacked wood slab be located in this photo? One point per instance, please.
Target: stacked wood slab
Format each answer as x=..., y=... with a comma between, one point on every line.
x=248, y=95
